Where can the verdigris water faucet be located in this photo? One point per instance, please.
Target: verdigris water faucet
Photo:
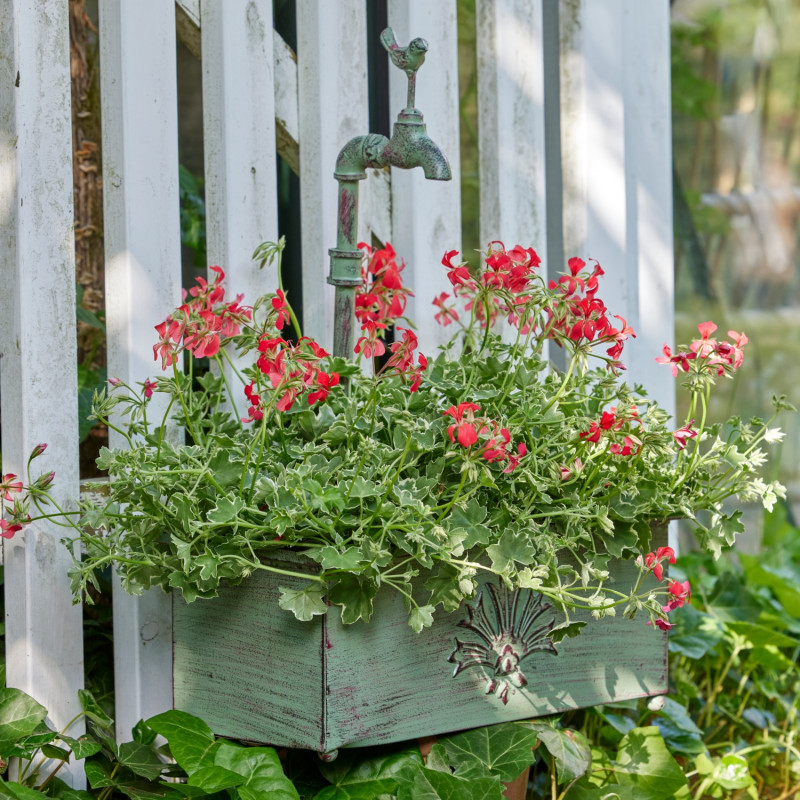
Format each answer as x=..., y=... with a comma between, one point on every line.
x=409, y=147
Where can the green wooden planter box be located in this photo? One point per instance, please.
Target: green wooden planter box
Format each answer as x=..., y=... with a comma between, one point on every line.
x=252, y=671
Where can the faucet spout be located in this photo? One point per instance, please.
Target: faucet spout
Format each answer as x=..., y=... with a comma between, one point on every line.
x=410, y=146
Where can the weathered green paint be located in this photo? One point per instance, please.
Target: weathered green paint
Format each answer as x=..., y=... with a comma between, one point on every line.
x=253, y=671
x=409, y=147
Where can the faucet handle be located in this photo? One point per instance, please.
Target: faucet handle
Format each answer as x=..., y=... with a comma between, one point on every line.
x=409, y=59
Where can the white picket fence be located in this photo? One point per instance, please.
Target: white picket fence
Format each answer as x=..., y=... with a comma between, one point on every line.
x=575, y=157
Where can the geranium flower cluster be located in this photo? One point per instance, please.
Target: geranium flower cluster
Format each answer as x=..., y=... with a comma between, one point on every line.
x=709, y=356
x=381, y=302
x=203, y=322
x=15, y=497
x=292, y=370
x=503, y=287
x=483, y=437
x=680, y=592
x=614, y=425
x=582, y=316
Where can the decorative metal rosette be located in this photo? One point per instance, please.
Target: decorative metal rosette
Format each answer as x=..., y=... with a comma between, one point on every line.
x=509, y=628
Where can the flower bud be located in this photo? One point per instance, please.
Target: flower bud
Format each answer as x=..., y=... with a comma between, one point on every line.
x=43, y=481
x=38, y=450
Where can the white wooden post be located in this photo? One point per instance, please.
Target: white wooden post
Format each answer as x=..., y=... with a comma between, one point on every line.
x=617, y=155
x=511, y=123
x=142, y=239
x=44, y=635
x=426, y=215
x=239, y=143
x=332, y=105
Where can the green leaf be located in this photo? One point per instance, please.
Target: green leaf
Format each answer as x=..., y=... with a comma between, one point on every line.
x=694, y=633
x=469, y=519
x=431, y=784
x=760, y=635
x=93, y=710
x=62, y=791
x=226, y=472
x=609, y=791
x=569, y=748
x=644, y=762
x=332, y=558
x=354, y=593
x=732, y=772
x=142, y=733
x=214, y=778
x=140, y=760
x=784, y=581
x=678, y=729
x=55, y=752
x=357, y=778
x=421, y=617
x=503, y=750
x=191, y=741
x=226, y=509
x=83, y=747
x=304, y=603
x=144, y=790
x=731, y=601
x=444, y=588
x=260, y=768
x=513, y=546
x=20, y=715
x=98, y=773
x=20, y=792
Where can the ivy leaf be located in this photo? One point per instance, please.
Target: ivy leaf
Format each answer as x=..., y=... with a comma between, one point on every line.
x=503, y=750
x=644, y=763
x=357, y=778
x=431, y=784
x=20, y=715
x=20, y=792
x=191, y=741
x=261, y=769
x=215, y=779
x=421, y=617
x=83, y=747
x=569, y=748
x=140, y=760
x=354, y=593
x=225, y=510
x=304, y=603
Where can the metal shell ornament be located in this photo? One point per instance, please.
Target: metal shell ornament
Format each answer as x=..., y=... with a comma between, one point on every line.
x=508, y=631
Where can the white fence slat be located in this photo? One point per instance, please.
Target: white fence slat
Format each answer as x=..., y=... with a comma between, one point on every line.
x=44, y=642
x=239, y=144
x=648, y=137
x=615, y=134
x=332, y=104
x=142, y=240
x=426, y=214
x=511, y=123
